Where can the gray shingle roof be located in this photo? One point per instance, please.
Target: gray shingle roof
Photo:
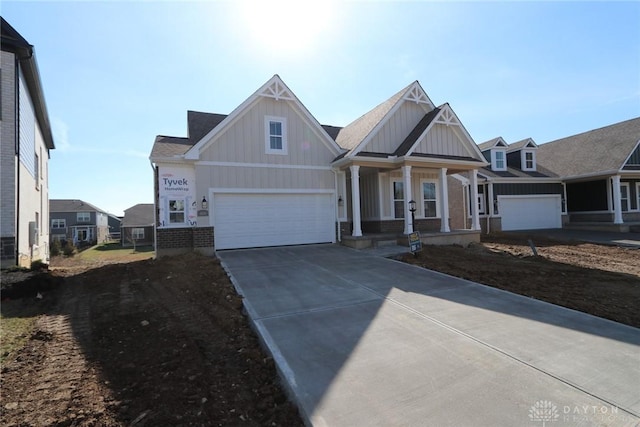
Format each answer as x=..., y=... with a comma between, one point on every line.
x=518, y=145
x=169, y=146
x=355, y=132
x=489, y=144
x=199, y=124
x=597, y=151
x=140, y=215
x=541, y=172
x=71, y=205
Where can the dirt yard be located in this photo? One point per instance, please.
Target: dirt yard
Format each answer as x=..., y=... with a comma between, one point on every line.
x=125, y=340
x=596, y=279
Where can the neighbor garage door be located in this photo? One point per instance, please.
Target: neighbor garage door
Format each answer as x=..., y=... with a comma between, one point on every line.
x=258, y=220
x=530, y=212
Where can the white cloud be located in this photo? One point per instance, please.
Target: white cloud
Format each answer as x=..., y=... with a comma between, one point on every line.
x=60, y=132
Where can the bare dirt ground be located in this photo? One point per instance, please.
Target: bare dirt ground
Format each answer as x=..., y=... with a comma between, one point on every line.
x=125, y=340
x=595, y=279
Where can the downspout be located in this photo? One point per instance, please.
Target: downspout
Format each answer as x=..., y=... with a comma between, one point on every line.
x=335, y=197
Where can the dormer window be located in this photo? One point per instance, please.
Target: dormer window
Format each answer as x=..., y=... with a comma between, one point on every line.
x=498, y=160
x=528, y=160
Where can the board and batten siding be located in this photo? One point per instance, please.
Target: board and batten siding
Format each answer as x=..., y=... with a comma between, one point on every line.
x=243, y=177
x=369, y=196
x=27, y=128
x=442, y=140
x=396, y=129
x=244, y=140
x=416, y=190
x=634, y=160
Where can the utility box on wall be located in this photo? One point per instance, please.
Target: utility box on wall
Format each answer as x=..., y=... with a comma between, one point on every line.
x=33, y=233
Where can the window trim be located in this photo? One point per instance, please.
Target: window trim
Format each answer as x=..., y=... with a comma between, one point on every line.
x=184, y=210
x=494, y=160
x=628, y=198
x=267, y=135
x=638, y=196
x=394, y=200
x=83, y=220
x=64, y=223
x=524, y=160
x=437, y=199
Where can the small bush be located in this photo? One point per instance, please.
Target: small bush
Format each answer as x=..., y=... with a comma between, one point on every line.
x=39, y=265
x=68, y=249
x=55, y=248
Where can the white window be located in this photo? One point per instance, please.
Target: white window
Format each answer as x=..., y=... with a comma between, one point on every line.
x=398, y=199
x=481, y=206
x=624, y=196
x=430, y=199
x=276, y=135
x=176, y=211
x=58, y=223
x=498, y=161
x=137, y=233
x=83, y=217
x=528, y=160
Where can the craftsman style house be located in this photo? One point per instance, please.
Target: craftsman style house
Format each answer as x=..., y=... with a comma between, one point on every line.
x=78, y=221
x=25, y=144
x=269, y=174
x=515, y=191
x=601, y=172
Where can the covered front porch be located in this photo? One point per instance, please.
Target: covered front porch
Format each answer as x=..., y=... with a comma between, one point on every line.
x=385, y=199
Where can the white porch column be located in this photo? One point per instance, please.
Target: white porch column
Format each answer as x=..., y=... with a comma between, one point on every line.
x=406, y=179
x=444, y=201
x=355, y=200
x=475, y=217
x=617, y=202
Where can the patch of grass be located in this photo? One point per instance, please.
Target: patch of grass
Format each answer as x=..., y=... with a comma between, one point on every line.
x=17, y=322
x=112, y=251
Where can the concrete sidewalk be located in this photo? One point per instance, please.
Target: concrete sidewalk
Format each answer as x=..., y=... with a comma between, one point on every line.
x=364, y=341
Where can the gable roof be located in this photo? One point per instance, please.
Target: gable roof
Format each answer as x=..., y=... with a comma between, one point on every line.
x=487, y=145
x=356, y=134
x=72, y=205
x=519, y=145
x=417, y=132
x=12, y=41
x=274, y=88
x=140, y=215
x=199, y=124
x=599, y=151
x=540, y=172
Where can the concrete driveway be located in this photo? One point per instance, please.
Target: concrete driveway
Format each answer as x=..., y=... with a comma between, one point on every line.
x=367, y=341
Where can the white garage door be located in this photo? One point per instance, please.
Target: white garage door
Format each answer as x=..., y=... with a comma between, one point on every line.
x=530, y=212
x=258, y=220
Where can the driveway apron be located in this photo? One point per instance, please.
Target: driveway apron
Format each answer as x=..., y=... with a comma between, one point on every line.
x=362, y=340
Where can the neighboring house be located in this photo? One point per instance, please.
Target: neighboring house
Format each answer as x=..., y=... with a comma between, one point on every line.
x=515, y=192
x=78, y=221
x=138, y=225
x=269, y=174
x=114, y=223
x=26, y=141
x=601, y=171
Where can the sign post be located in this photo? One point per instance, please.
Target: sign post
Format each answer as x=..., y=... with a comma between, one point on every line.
x=415, y=244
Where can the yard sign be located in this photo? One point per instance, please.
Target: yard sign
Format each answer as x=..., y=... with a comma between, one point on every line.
x=415, y=244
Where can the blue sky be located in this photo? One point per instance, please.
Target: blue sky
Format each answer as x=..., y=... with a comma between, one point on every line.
x=116, y=74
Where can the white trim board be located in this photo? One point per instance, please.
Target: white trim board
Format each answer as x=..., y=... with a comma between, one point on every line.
x=260, y=165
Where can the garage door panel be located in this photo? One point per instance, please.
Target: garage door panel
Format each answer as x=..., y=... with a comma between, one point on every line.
x=258, y=220
x=530, y=212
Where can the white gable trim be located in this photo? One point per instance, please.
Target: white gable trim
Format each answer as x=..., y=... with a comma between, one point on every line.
x=448, y=117
x=274, y=88
x=414, y=93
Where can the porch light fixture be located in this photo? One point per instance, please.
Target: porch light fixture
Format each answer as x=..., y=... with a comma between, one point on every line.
x=205, y=204
x=412, y=209
x=340, y=201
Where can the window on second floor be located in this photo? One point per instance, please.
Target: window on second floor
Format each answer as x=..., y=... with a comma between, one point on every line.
x=528, y=161
x=58, y=223
x=276, y=135
x=498, y=160
x=83, y=217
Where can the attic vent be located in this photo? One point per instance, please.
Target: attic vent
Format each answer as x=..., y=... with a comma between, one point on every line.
x=277, y=90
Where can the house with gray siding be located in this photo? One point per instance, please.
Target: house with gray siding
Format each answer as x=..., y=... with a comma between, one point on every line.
x=269, y=174
x=601, y=171
x=26, y=141
x=137, y=227
x=515, y=192
x=78, y=221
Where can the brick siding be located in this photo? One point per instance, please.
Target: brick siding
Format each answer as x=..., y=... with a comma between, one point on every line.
x=184, y=238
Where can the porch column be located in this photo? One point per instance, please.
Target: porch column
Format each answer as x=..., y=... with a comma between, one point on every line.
x=475, y=217
x=406, y=178
x=617, y=202
x=355, y=200
x=444, y=205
